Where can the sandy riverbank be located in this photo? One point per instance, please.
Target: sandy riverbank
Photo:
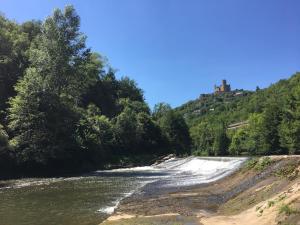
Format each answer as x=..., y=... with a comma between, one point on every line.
x=256, y=194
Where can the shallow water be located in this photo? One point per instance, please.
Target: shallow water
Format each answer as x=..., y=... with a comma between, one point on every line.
x=89, y=199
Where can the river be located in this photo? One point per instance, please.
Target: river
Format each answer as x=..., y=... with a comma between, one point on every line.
x=89, y=199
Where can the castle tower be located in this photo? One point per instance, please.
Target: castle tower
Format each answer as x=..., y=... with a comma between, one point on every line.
x=223, y=88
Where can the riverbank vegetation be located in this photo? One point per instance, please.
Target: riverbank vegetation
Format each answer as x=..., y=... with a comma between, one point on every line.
x=268, y=121
x=64, y=109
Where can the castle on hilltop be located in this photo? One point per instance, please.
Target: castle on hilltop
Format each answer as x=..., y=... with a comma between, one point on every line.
x=223, y=88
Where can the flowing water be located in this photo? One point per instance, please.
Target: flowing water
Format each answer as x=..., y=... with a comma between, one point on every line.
x=89, y=199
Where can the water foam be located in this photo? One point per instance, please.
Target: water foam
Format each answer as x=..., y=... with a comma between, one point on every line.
x=197, y=170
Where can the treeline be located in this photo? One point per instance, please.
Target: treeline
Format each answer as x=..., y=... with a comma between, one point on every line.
x=63, y=109
x=272, y=114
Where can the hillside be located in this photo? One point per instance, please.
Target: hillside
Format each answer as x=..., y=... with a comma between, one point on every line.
x=213, y=105
x=273, y=115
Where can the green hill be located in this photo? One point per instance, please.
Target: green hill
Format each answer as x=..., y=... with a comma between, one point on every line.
x=215, y=104
x=273, y=114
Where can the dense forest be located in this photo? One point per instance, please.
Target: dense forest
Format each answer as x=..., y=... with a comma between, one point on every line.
x=271, y=121
x=63, y=109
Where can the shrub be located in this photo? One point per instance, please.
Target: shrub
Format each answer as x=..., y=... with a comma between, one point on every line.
x=263, y=163
x=287, y=210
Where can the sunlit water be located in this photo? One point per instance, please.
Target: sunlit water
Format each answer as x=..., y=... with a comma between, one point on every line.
x=90, y=199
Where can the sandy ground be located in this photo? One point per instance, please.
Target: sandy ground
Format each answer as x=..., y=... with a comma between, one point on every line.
x=254, y=215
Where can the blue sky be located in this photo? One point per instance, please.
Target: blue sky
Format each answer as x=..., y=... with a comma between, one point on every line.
x=178, y=49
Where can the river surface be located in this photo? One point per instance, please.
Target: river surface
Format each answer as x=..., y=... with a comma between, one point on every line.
x=89, y=199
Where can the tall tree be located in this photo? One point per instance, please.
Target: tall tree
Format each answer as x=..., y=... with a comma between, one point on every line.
x=290, y=127
x=44, y=115
x=176, y=130
x=15, y=41
x=221, y=141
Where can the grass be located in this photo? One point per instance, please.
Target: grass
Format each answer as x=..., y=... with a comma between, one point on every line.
x=281, y=197
x=263, y=163
x=250, y=164
x=270, y=204
x=287, y=210
x=259, y=164
x=289, y=171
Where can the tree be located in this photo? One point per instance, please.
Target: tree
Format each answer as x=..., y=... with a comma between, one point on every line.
x=44, y=113
x=203, y=138
x=160, y=109
x=126, y=131
x=238, y=143
x=135, y=106
x=128, y=89
x=7, y=164
x=254, y=138
x=221, y=142
x=104, y=93
x=15, y=41
x=289, y=130
x=95, y=135
x=272, y=120
x=176, y=130
x=149, y=134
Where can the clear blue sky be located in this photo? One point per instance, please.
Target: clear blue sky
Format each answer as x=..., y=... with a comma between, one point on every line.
x=178, y=49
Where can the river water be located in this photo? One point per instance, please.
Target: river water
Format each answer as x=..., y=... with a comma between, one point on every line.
x=89, y=199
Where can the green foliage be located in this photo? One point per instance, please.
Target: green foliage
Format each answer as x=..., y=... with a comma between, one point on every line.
x=15, y=41
x=287, y=210
x=263, y=163
x=290, y=127
x=126, y=129
x=43, y=114
x=272, y=116
x=6, y=155
x=289, y=171
x=160, y=110
x=257, y=140
x=203, y=138
x=271, y=204
x=95, y=135
x=258, y=164
x=174, y=128
x=70, y=111
x=128, y=89
x=251, y=163
x=3, y=140
x=221, y=141
x=238, y=142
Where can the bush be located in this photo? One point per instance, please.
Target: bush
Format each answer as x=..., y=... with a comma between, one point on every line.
x=287, y=210
x=250, y=164
x=259, y=164
x=263, y=163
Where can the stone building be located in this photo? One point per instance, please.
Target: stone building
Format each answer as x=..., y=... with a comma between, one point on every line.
x=223, y=88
